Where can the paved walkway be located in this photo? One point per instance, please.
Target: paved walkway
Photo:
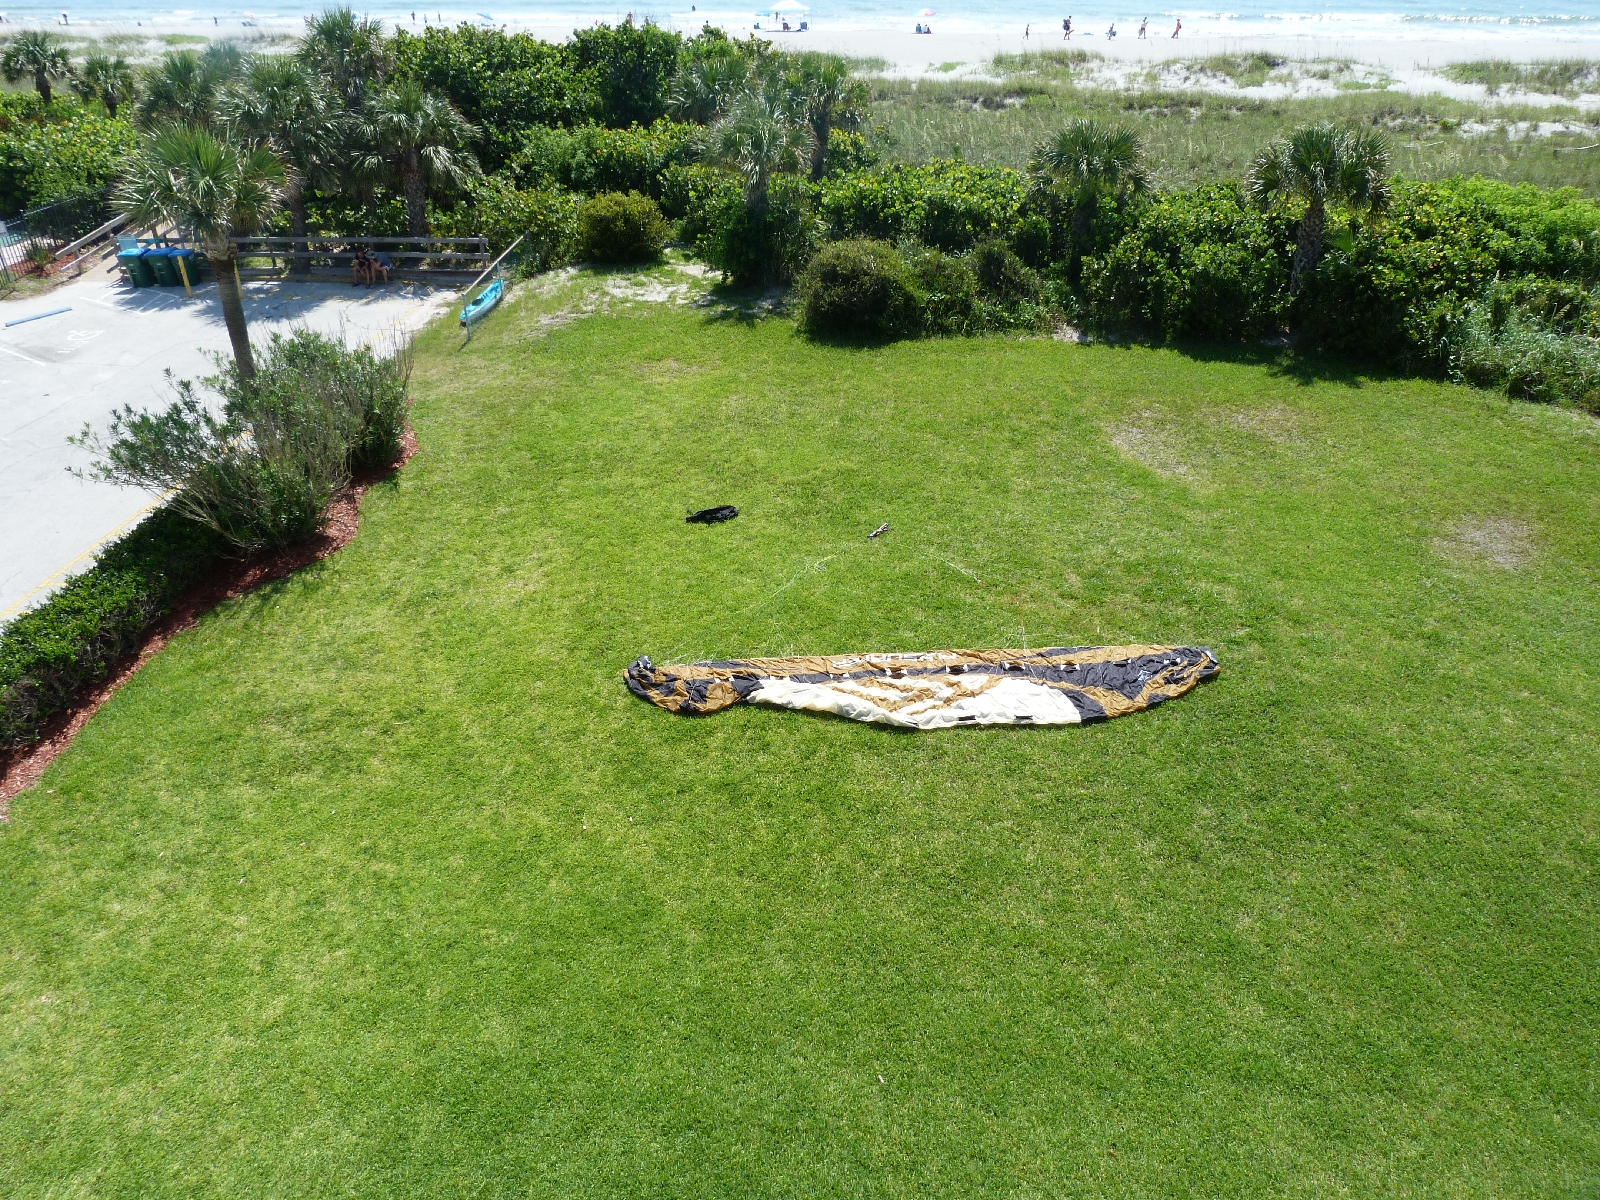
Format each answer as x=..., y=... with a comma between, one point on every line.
x=112, y=349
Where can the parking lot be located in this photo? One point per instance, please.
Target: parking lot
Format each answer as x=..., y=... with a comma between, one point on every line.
x=113, y=347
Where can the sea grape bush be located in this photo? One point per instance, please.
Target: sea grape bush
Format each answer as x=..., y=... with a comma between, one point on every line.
x=946, y=204
x=546, y=219
x=505, y=84
x=1197, y=263
x=592, y=158
x=51, y=152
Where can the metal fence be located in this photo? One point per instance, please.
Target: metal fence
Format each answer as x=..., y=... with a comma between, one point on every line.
x=49, y=227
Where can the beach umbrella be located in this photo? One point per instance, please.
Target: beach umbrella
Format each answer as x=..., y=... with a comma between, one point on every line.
x=927, y=12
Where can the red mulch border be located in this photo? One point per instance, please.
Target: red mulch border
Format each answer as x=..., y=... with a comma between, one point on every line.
x=230, y=579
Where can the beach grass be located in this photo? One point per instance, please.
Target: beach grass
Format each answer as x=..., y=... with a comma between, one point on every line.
x=1563, y=77
x=1194, y=136
x=380, y=883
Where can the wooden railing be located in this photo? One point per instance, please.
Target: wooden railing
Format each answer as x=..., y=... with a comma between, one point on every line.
x=328, y=256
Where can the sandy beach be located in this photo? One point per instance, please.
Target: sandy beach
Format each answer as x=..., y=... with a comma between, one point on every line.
x=1405, y=57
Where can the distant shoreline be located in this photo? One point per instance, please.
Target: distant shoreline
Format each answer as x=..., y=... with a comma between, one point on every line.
x=1409, y=63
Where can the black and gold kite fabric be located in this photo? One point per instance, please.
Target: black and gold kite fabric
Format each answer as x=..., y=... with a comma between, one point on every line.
x=940, y=688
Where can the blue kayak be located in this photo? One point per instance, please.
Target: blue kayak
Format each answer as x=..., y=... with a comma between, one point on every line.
x=483, y=304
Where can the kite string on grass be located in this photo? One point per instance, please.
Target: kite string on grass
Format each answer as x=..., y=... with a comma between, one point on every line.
x=778, y=593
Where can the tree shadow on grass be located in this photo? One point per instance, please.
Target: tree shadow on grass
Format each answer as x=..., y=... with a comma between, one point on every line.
x=723, y=303
x=1305, y=366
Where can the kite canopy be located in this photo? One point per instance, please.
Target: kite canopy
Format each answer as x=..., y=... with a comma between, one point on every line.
x=939, y=688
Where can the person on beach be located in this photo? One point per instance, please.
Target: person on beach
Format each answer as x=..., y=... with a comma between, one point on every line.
x=1112, y=32
x=1143, y=25
x=1178, y=28
x=1025, y=29
x=1066, y=30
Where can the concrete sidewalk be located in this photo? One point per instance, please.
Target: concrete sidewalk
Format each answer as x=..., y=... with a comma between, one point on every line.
x=112, y=349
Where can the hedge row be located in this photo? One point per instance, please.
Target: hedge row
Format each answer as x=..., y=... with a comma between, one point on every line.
x=50, y=654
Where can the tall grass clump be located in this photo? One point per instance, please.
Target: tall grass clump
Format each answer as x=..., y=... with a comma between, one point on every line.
x=260, y=462
x=1511, y=341
x=1557, y=77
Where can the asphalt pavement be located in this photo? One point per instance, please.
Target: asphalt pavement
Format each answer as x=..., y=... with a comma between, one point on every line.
x=113, y=347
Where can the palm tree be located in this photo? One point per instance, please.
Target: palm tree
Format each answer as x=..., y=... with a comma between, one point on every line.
x=34, y=52
x=827, y=97
x=283, y=104
x=108, y=80
x=186, y=88
x=1322, y=164
x=349, y=51
x=703, y=83
x=420, y=138
x=759, y=136
x=217, y=189
x=1086, y=163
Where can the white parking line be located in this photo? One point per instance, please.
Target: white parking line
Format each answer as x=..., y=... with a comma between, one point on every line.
x=22, y=356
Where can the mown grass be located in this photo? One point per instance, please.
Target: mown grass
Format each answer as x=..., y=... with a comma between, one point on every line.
x=379, y=883
x=1193, y=137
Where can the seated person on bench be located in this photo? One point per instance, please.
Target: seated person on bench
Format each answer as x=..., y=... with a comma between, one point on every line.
x=380, y=264
x=361, y=267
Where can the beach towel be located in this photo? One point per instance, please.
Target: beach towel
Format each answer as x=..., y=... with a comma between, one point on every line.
x=938, y=689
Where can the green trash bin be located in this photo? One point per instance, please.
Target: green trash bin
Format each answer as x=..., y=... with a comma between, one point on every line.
x=138, y=268
x=185, y=265
x=160, y=260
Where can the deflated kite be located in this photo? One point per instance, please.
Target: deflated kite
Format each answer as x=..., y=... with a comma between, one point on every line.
x=939, y=688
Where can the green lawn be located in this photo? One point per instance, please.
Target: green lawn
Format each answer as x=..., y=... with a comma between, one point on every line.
x=380, y=884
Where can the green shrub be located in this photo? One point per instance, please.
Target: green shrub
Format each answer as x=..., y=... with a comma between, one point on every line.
x=505, y=84
x=49, y=655
x=56, y=151
x=859, y=288
x=947, y=293
x=592, y=158
x=1011, y=294
x=1393, y=292
x=629, y=68
x=945, y=203
x=847, y=154
x=260, y=467
x=1002, y=276
x=1548, y=231
x=692, y=192
x=1528, y=338
x=618, y=227
x=760, y=248
x=1203, y=262
x=546, y=219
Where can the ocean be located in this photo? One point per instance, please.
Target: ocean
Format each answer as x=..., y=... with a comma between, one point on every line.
x=1574, y=25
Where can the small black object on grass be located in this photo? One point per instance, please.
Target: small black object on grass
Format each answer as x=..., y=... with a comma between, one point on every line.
x=879, y=531
x=711, y=516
